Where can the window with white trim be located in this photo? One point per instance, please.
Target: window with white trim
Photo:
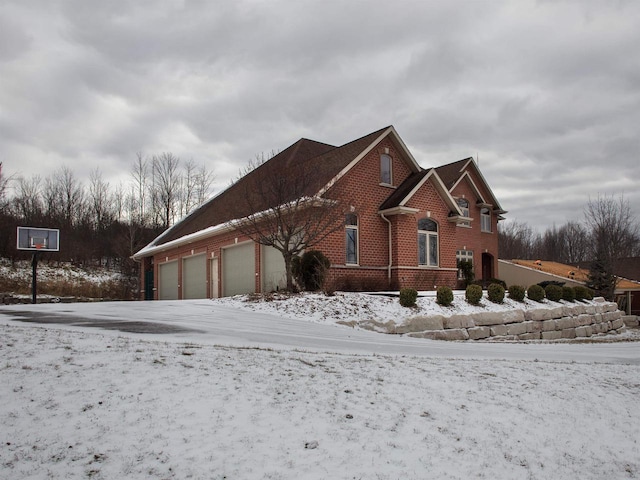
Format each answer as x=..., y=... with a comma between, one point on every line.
x=460, y=256
x=351, y=239
x=385, y=169
x=427, y=242
x=463, y=203
x=485, y=220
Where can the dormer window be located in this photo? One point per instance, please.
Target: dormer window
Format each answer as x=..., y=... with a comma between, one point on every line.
x=385, y=170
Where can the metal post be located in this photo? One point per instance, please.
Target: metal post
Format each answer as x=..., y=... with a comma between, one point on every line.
x=34, y=277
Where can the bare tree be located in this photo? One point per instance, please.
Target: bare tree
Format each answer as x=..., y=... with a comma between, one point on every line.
x=614, y=233
x=100, y=201
x=71, y=196
x=203, y=182
x=27, y=202
x=4, y=185
x=165, y=190
x=574, y=243
x=279, y=210
x=140, y=174
x=516, y=240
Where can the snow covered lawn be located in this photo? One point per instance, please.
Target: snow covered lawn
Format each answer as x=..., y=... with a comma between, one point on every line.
x=88, y=404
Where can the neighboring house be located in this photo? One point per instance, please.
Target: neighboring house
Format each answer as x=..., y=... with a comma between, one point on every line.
x=529, y=272
x=407, y=226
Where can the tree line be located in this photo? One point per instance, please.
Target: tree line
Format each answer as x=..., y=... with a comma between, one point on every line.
x=608, y=233
x=101, y=224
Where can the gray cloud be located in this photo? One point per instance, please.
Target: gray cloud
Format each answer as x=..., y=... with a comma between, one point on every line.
x=545, y=93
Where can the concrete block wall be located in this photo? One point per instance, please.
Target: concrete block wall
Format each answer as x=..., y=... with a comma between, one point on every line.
x=566, y=321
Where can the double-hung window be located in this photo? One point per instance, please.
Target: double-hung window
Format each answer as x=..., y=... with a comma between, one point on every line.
x=351, y=239
x=427, y=242
x=485, y=220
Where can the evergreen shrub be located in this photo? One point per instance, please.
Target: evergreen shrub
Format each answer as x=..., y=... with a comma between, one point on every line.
x=568, y=294
x=495, y=293
x=310, y=269
x=516, y=292
x=580, y=292
x=535, y=293
x=444, y=296
x=553, y=292
x=408, y=297
x=473, y=294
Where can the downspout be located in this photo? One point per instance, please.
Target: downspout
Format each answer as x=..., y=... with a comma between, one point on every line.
x=390, y=251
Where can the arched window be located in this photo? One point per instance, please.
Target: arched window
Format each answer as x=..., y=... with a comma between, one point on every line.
x=463, y=203
x=351, y=239
x=427, y=242
x=485, y=220
x=385, y=169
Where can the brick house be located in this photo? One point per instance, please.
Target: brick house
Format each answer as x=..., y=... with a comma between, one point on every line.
x=405, y=226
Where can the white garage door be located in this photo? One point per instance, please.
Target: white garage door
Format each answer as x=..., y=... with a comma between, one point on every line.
x=238, y=269
x=168, y=281
x=194, y=277
x=274, y=275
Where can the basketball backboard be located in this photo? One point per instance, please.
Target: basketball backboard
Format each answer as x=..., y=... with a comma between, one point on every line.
x=38, y=239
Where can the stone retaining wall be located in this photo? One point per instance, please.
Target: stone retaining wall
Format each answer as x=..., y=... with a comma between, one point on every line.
x=566, y=321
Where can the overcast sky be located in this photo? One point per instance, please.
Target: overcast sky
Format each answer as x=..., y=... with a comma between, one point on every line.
x=546, y=94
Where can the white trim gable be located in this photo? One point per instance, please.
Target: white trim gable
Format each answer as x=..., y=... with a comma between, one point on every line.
x=496, y=206
x=440, y=187
x=413, y=165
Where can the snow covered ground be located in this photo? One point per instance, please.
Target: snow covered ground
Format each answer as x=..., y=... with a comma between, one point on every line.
x=231, y=402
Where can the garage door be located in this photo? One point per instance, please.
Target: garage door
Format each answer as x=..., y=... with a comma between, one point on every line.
x=238, y=270
x=274, y=275
x=194, y=277
x=168, y=281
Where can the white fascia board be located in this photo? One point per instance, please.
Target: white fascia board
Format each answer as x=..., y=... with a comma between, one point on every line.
x=495, y=203
x=152, y=249
x=474, y=187
x=440, y=187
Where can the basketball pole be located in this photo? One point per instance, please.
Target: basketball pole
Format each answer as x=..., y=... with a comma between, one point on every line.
x=34, y=277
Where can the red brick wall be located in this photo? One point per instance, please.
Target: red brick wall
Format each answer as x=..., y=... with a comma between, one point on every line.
x=362, y=191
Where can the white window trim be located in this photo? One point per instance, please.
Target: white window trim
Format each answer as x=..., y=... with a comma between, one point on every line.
x=485, y=220
x=383, y=183
x=357, y=230
x=466, y=223
x=427, y=234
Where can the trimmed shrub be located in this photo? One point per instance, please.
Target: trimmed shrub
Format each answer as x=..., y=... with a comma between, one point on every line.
x=580, y=292
x=473, y=294
x=553, y=292
x=444, y=296
x=535, y=293
x=516, y=292
x=568, y=294
x=550, y=282
x=310, y=269
x=495, y=293
x=590, y=294
x=408, y=297
x=498, y=281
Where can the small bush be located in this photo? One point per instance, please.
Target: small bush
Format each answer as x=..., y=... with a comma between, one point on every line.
x=516, y=292
x=408, y=297
x=580, y=292
x=535, y=293
x=473, y=294
x=444, y=296
x=550, y=282
x=568, y=294
x=495, y=292
x=498, y=281
x=553, y=292
x=590, y=294
x=311, y=269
